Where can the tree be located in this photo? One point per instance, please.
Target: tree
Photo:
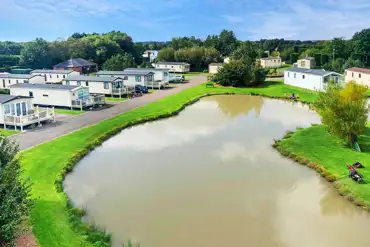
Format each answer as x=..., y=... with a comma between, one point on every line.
x=166, y=55
x=119, y=62
x=14, y=192
x=294, y=57
x=238, y=73
x=35, y=54
x=361, y=43
x=247, y=51
x=352, y=63
x=227, y=42
x=337, y=65
x=212, y=41
x=344, y=111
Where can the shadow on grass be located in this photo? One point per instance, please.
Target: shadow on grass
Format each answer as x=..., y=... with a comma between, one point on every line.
x=364, y=141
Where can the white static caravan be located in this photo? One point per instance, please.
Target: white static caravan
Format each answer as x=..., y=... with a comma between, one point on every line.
x=113, y=86
x=57, y=95
x=173, y=66
x=54, y=76
x=214, y=67
x=160, y=76
x=313, y=79
x=6, y=80
x=138, y=76
x=19, y=111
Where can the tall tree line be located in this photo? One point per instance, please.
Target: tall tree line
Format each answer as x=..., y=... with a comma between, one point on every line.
x=114, y=47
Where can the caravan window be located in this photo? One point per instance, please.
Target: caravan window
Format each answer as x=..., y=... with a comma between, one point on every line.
x=106, y=85
x=78, y=83
x=138, y=78
x=6, y=109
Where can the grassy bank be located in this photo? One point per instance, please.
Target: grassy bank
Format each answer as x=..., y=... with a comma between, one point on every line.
x=328, y=155
x=53, y=222
x=7, y=132
x=67, y=111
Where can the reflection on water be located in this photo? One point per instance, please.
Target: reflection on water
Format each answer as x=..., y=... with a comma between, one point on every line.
x=209, y=177
x=237, y=104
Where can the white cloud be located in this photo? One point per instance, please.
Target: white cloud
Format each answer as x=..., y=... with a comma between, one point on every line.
x=306, y=20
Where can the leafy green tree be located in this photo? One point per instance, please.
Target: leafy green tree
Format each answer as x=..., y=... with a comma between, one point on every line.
x=14, y=192
x=247, y=51
x=352, y=63
x=10, y=48
x=35, y=54
x=344, y=111
x=294, y=57
x=212, y=41
x=238, y=73
x=337, y=65
x=119, y=62
x=361, y=43
x=227, y=42
x=338, y=46
x=166, y=55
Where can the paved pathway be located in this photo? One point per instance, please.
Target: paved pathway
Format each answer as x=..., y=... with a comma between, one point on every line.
x=48, y=132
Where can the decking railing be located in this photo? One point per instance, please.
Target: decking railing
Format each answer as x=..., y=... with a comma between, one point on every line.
x=33, y=116
x=93, y=100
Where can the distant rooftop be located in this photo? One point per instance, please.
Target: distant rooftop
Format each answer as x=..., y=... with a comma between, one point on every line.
x=51, y=71
x=17, y=76
x=6, y=98
x=74, y=63
x=130, y=71
x=173, y=63
x=270, y=58
x=361, y=70
x=91, y=78
x=319, y=72
x=44, y=86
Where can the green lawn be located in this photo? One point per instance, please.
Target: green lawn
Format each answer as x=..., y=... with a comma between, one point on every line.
x=314, y=144
x=192, y=73
x=67, y=111
x=8, y=132
x=44, y=164
x=115, y=99
x=286, y=66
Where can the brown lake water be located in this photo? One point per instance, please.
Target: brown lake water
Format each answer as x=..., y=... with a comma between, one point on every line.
x=210, y=178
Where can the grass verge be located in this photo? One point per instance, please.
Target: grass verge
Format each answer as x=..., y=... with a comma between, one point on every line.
x=284, y=67
x=115, y=99
x=54, y=221
x=7, y=132
x=67, y=111
x=328, y=155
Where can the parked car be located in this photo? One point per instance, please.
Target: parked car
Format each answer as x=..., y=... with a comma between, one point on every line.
x=141, y=89
x=177, y=78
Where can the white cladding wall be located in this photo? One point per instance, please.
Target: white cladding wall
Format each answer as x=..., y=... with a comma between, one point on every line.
x=6, y=82
x=57, y=78
x=271, y=63
x=359, y=77
x=43, y=96
x=213, y=69
x=303, y=80
x=174, y=67
x=29, y=105
x=94, y=86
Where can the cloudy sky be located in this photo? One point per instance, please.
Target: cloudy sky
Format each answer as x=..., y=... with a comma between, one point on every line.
x=23, y=20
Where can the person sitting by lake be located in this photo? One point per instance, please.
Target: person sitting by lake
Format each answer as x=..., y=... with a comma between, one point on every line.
x=292, y=96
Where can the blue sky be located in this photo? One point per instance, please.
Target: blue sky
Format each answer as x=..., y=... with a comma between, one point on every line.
x=23, y=20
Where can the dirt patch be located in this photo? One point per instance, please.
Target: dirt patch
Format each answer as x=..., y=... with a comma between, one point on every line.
x=26, y=240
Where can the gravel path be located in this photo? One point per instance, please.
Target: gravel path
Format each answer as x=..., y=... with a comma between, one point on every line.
x=48, y=132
